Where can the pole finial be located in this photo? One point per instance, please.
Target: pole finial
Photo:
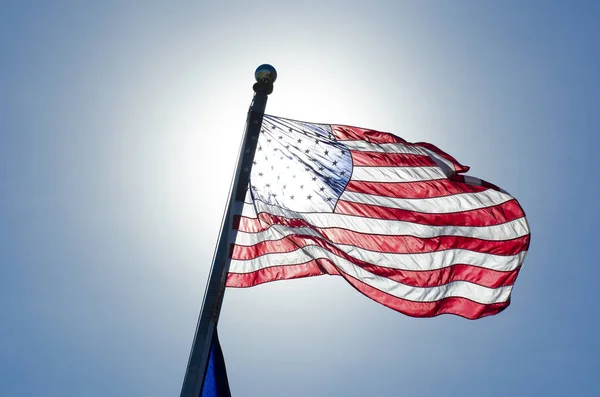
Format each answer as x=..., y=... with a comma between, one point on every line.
x=265, y=73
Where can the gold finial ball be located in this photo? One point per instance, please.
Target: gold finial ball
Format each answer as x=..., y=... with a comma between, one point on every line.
x=265, y=74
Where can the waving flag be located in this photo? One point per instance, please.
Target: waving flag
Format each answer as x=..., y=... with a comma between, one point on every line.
x=399, y=221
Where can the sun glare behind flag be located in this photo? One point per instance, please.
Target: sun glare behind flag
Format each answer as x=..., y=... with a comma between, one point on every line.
x=399, y=221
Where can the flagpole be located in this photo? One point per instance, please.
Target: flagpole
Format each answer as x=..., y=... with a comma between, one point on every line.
x=215, y=288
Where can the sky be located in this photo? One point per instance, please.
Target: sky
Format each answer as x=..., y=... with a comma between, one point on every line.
x=120, y=123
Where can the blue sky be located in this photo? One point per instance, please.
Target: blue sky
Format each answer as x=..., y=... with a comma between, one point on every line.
x=119, y=126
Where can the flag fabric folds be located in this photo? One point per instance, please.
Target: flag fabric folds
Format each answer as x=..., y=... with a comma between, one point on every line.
x=399, y=221
x=215, y=379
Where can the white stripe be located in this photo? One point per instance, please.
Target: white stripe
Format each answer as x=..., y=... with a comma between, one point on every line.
x=274, y=233
x=442, y=162
x=436, y=260
x=464, y=289
x=435, y=205
x=363, y=146
x=506, y=231
x=245, y=209
x=397, y=174
x=414, y=262
x=277, y=232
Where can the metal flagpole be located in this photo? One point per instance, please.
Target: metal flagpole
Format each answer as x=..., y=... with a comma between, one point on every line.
x=213, y=296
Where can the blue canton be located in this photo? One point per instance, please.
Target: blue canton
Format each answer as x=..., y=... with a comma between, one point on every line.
x=299, y=166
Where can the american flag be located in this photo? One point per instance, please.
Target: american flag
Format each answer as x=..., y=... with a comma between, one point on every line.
x=399, y=221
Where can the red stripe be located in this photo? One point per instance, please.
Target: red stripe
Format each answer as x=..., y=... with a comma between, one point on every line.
x=488, y=216
x=452, y=305
x=381, y=243
x=414, y=190
x=275, y=273
x=379, y=159
x=346, y=133
x=389, y=243
x=459, y=272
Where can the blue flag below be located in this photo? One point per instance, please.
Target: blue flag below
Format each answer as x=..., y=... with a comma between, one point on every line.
x=215, y=380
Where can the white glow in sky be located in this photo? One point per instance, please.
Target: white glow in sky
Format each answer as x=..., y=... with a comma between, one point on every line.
x=119, y=128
